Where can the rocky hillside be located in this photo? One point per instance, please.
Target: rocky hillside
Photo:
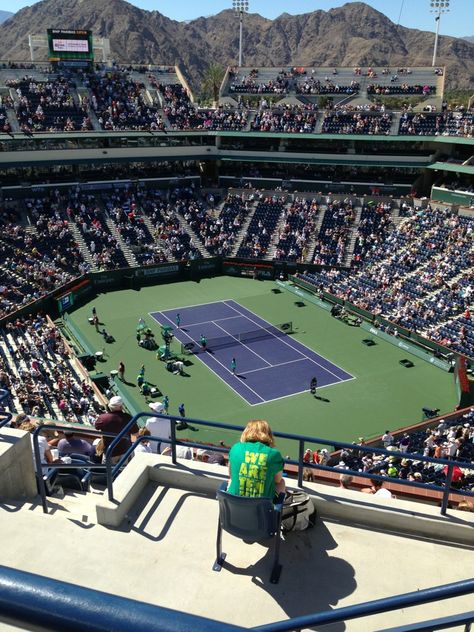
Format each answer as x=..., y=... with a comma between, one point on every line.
x=354, y=34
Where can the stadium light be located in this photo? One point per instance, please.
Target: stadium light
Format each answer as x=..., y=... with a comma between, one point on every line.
x=438, y=7
x=241, y=7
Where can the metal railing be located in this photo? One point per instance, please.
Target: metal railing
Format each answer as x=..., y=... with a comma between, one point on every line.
x=41, y=477
x=38, y=604
x=302, y=440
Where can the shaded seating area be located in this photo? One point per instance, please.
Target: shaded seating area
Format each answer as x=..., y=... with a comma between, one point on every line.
x=125, y=211
x=299, y=226
x=261, y=228
x=332, y=239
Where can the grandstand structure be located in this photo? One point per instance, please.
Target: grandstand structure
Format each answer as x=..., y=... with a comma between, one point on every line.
x=348, y=186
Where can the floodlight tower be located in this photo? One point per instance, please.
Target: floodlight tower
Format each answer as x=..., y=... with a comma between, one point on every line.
x=438, y=7
x=241, y=7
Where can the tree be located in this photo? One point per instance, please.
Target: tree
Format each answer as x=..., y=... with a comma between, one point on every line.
x=211, y=82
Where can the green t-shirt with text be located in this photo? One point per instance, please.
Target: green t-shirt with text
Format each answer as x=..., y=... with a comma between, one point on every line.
x=252, y=470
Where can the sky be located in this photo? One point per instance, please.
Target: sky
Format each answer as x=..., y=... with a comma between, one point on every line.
x=459, y=22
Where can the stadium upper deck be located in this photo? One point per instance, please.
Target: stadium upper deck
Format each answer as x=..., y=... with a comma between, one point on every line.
x=321, y=101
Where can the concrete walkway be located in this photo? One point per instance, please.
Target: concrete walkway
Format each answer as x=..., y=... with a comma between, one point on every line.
x=164, y=551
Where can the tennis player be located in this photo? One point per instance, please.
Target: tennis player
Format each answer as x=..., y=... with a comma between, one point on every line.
x=233, y=365
x=203, y=341
x=313, y=385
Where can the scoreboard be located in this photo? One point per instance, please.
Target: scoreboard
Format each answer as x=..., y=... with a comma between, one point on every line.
x=73, y=47
x=65, y=302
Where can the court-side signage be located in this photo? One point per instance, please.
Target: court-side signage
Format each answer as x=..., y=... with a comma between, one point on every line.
x=406, y=346
x=158, y=271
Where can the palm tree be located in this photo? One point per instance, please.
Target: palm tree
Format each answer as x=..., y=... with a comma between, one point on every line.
x=211, y=82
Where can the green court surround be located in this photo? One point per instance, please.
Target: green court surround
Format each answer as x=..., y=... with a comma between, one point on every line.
x=384, y=395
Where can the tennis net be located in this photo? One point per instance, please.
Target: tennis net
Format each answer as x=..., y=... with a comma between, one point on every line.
x=232, y=340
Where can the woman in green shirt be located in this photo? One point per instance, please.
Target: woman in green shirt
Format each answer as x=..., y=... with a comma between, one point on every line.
x=255, y=466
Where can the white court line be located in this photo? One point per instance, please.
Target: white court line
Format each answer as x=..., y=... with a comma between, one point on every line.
x=242, y=343
x=339, y=379
x=177, y=309
x=206, y=322
x=274, y=399
x=223, y=366
x=272, y=366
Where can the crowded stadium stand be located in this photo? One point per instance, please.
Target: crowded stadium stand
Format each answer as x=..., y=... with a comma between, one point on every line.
x=407, y=261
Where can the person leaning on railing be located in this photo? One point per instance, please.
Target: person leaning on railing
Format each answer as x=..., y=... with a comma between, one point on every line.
x=255, y=466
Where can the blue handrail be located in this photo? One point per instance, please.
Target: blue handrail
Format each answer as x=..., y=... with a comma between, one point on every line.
x=41, y=603
x=301, y=439
x=407, y=600
x=4, y=395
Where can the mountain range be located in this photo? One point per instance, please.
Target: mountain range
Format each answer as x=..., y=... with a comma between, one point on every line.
x=4, y=15
x=354, y=34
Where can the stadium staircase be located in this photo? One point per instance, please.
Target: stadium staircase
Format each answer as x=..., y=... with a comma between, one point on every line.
x=243, y=230
x=352, y=238
x=152, y=228
x=129, y=256
x=314, y=237
x=83, y=93
x=77, y=506
x=397, y=219
x=196, y=240
x=13, y=120
x=276, y=233
x=395, y=123
x=86, y=253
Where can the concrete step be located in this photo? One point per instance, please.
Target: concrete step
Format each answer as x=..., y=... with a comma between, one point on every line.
x=162, y=246
x=195, y=237
x=80, y=507
x=243, y=231
x=86, y=253
x=129, y=256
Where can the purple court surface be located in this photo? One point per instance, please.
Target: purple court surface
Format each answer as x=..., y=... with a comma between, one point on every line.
x=268, y=366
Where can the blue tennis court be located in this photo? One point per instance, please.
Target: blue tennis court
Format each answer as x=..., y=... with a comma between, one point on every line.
x=269, y=363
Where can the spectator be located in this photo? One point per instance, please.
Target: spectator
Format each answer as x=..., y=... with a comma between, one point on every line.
x=255, y=466
x=71, y=444
x=159, y=427
x=114, y=422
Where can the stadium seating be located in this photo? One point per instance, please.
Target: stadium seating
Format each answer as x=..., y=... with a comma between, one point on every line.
x=297, y=230
x=419, y=277
x=41, y=375
x=120, y=104
x=332, y=238
x=287, y=118
x=356, y=123
x=261, y=227
x=48, y=106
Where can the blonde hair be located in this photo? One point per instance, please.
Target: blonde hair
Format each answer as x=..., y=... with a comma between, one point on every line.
x=258, y=430
x=100, y=447
x=466, y=505
x=28, y=426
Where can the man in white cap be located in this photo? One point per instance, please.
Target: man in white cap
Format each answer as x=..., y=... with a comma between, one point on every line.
x=115, y=421
x=159, y=427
